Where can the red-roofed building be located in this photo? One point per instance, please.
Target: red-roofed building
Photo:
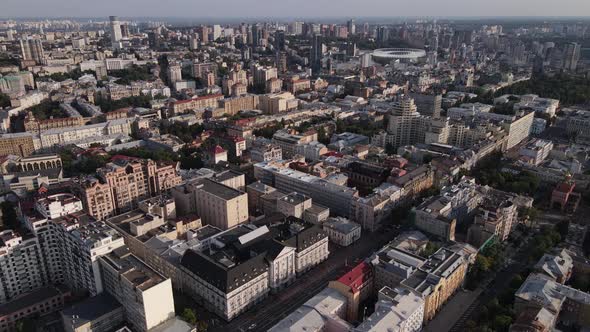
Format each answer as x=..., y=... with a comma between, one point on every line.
x=215, y=155
x=357, y=286
x=334, y=154
x=564, y=197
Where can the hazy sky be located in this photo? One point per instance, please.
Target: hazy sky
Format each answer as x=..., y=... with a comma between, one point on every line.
x=292, y=8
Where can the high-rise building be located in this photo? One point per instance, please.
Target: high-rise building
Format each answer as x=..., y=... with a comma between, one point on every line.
x=21, y=265
x=116, y=33
x=193, y=42
x=122, y=184
x=174, y=73
x=316, y=54
x=280, y=41
x=71, y=243
x=255, y=35
x=216, y=32
x=571, y=56
x=32, y=50
x=145, y=294
x=403, y=123
x=428, y=104
x=351, y=27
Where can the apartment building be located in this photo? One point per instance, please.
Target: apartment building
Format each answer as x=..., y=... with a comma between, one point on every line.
x=309, y=240
x=217, y=204
x=37, y=126
x=71, y=243
x=123, y=183
x=288, y=141
x=370, y=211
x=19, y=144
x=392, y=265
x=440, y=214
x=275, y=103
x=263, y=150
x=55, y=206
x=535, y=152
x=399, y=309
x=336, y=197
x=22, y=267
x=438, y=279
x=357, y=286
x=72, y=135
x=33, y=305
x=184, y=106
x=224, y=281
x=323, y=312
x=145, y=294
x=342, y=231
x=562, y=303
x=415, y=181
x=239, y=103
x=96, y=197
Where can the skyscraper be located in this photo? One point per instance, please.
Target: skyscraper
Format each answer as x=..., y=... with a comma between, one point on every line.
x=280, y=40
x=571, y=56
x=316, y=55
x=116, y=33
x=32, y=50
x=216, y=32
x=255, y=35
x=351, y=27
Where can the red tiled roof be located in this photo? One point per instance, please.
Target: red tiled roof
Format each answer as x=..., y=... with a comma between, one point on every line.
x=357, y=277
x=119, y=157
x=218, y=149
x=198, y=98
x=565, y=187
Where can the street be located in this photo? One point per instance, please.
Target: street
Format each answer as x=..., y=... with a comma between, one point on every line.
x=277, y=306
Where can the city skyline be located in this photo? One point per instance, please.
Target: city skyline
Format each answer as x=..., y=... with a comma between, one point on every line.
x=296, y=9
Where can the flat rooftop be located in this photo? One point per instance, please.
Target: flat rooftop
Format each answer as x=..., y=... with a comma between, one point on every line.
x=131, y=268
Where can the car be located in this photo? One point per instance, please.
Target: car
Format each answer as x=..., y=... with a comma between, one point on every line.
x=252, y=327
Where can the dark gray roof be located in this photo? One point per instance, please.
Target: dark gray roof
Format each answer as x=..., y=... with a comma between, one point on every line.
x=90, y=309
x=226, y=278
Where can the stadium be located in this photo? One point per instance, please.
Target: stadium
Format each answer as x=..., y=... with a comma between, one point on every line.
x=386, y=55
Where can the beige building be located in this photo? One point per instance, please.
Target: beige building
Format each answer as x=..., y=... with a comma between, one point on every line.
x=275, y=103
x=145, y=294
x=438, y=279
x=19, y=144
x=123, y=183
x=238, y=103
x=217, y=204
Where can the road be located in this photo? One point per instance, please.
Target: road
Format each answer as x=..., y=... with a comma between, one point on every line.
x=277, y=306
x=494, y=287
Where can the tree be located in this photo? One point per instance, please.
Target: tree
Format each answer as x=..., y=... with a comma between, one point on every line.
x=502, y=322
x=390, y=149
x=189, y=316
x=322, y=136
x=9, y=217
x=4, y=100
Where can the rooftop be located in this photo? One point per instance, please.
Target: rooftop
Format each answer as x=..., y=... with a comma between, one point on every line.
x=132, y=269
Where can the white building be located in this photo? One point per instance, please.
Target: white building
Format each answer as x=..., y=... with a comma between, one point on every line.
x=64, y=136
x=145, y=294
x=55, y=206
x=536, y=151
x=71, y=245
x=22, y=268
x=327, y=308
x=336, y=197
x=342, y=231
x=400, y=309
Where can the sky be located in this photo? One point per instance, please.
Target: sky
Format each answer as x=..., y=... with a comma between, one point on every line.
x=292, y=8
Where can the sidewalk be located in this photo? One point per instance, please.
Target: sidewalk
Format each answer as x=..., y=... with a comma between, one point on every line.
x=452, y=311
